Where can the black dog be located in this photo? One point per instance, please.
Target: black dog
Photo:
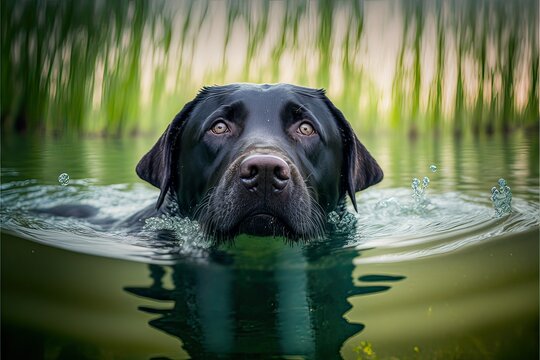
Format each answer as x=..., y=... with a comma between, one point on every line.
x=259, y=159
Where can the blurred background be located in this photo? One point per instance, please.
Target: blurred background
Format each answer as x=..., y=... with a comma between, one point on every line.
x=445, y=89
x=121, y=67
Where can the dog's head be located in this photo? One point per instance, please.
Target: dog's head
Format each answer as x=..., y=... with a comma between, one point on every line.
x=259, y=159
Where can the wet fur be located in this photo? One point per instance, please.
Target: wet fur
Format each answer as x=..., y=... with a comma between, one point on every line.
x=219, y=209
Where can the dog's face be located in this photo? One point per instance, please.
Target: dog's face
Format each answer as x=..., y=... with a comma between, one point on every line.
x=259, y=159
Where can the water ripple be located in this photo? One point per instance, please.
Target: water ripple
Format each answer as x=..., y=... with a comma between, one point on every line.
x=388, y=220
x=452, y=222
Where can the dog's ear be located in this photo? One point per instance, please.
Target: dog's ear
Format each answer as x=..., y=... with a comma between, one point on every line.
x=159, y=165
x=359, y=169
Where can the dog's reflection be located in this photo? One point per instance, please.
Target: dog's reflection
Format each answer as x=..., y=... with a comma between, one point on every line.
x=294, y=306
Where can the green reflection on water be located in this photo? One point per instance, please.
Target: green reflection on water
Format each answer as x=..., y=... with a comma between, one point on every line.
x=477, y=302
x=469, y=164
x=481, y=302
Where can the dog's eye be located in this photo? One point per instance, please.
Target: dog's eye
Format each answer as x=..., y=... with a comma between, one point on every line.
x=219, y=128
x=306, y=129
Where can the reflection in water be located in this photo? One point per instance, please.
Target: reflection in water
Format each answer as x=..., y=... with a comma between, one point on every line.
x=473, y=277
x=293, y=306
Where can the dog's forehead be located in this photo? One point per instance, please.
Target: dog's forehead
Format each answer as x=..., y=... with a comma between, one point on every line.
x=263, y=97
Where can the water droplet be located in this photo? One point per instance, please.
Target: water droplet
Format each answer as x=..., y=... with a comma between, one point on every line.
x=63, y=179
x=333, y=217
x=433, y=168
x=501, y=198
x=425, y=181
x=186, y=231
x=415, y=183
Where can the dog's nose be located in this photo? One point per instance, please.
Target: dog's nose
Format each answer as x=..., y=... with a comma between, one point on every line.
x=264, y=173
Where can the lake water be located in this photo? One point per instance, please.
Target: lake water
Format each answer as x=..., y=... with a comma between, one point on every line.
x=446, y=278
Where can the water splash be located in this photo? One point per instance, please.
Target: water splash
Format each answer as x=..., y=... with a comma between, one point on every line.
x=63, y=179
x=454, y=220
x=186, y=231
x=343, y=222
x=419, y=192
x=387, y=218
x=420, y=204
x=501, y=198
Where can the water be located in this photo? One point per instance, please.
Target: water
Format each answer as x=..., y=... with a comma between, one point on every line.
x=449, y=278
x=502, y=198
x=63, y=179
x=419, y=192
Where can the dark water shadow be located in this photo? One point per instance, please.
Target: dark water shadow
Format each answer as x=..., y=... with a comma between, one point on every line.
x=293, y=306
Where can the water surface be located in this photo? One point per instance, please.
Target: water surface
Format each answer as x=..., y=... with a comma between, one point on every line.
x=450, y=279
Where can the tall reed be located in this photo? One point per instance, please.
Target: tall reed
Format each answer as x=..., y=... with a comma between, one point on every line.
x=126, y=66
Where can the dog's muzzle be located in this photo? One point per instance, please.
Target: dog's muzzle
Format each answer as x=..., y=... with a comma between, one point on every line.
x=264, y=175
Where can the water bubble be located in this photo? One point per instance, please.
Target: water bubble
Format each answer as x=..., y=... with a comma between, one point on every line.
x=342, y=222
x=63, y=179
x=433, y=168
x=186, y=231
x=333, y=217
x=419, y=193
x=501, y=198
